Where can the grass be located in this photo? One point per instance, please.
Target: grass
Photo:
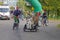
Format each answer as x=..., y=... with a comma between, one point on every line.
x=53, y=19
x=58, y=25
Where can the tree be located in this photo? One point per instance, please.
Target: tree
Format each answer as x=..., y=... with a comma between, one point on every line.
x=12, y=8
x=53, y=7
x=1, y=3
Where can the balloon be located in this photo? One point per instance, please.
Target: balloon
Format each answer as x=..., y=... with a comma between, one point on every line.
x=36, y=4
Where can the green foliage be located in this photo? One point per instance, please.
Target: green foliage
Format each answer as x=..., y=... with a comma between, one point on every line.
x=52, y=7
x=22, y=4
x=1, y=3
x=58, y=25
x=12, y=8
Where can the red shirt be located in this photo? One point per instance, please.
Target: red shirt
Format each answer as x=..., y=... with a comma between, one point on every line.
x=38, y=14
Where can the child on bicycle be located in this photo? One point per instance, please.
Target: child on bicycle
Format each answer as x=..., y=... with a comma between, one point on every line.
x=44, y=19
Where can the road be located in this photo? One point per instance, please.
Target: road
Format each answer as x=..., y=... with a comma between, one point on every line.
x=6, y=32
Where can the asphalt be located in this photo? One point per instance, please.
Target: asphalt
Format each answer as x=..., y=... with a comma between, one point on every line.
x=6, y=32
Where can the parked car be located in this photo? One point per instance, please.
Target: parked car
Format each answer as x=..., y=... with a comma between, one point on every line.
x=4, y=12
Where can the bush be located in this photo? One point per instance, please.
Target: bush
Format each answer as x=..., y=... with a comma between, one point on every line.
x=58, y=25
x=1, y=3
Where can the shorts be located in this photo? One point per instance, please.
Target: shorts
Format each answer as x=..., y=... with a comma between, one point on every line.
x=44, y=20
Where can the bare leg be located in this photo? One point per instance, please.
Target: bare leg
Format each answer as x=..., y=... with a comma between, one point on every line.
x=43, y=25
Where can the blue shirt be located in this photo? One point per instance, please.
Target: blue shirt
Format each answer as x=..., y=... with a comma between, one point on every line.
x=17, y=12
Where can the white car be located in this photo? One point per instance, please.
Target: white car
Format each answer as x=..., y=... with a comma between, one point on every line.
x=4, y=12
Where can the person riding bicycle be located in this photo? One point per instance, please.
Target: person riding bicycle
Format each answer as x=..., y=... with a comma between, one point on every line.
x=44, y=18
x=16, y=16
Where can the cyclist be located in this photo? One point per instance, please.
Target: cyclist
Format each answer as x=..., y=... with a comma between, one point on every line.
x=16, y=16
x=44, y=19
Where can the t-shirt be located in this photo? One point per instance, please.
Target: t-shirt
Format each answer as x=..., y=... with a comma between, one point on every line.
x=44, y=15
x=38, y=14
x=17, y=12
